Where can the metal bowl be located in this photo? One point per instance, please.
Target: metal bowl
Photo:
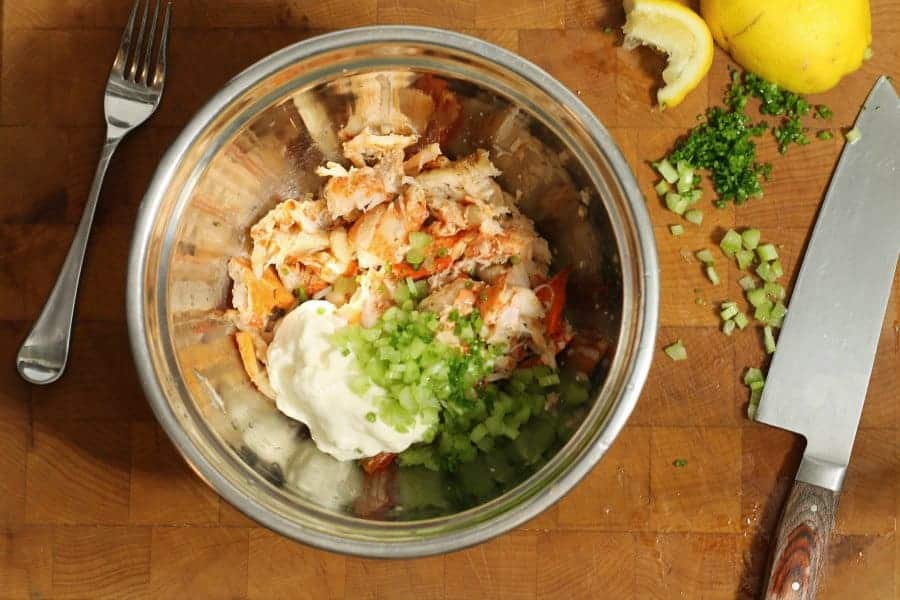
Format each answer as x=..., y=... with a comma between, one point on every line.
x=257, y=141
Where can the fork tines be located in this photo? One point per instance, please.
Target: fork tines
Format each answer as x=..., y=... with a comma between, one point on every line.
x=133, y=65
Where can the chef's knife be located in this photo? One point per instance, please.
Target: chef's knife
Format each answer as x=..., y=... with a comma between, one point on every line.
x=818, y=378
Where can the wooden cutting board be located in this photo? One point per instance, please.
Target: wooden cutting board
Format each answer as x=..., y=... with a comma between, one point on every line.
x=94, y=502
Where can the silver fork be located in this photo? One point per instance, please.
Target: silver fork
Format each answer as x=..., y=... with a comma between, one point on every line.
x=132, y=95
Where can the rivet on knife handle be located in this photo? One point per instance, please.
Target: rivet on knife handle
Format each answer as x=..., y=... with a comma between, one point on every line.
x=801, y=543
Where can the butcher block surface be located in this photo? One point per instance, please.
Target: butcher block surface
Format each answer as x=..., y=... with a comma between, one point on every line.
x=96, y=503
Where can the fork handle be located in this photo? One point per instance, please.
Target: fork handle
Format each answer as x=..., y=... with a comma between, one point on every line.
x=43, y=355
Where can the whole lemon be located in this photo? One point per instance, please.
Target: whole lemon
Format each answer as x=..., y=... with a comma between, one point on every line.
x=805, y=46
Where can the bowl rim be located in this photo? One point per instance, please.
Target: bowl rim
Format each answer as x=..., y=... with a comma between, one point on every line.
x=648, y=300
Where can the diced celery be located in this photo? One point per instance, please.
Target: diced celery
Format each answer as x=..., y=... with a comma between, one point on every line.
x=777, y=269
x=767, y=252
x=694, y=216
x=683, y=185
x=778, y=312
x=763, y=312
x=750, y=238
x=675, y=203
x=666, y=169
x=744, y=258
x=705, y=256
x=676, y=230
x=731, y=242
x=676, y=351
x=753, y=374
x=694, y=196
x=419, y=239
x=683, y=167
x=728, y=327
x=756, y=296
x=712, y=275
x=753, y=405
x=728, y=312
x=415, y=256
x=747, y=282
x=853, y=136
x=768, y=339
x=662, y=188
x=764, y=270
x=548, y=380
x=741, y=320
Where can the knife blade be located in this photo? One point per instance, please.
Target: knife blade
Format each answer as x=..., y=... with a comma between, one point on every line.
x=818, y=378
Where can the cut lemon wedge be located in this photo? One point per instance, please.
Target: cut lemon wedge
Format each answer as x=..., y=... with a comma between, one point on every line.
x=678, y=31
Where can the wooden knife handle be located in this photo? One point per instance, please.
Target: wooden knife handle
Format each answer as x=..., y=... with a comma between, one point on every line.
x=801, y=541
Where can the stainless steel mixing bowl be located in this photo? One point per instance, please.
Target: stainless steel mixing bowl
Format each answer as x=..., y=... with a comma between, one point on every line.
x=257, y=141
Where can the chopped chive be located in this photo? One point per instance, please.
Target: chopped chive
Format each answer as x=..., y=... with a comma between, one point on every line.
x=744, y=258
x=731, y=243
x=853, y=136
x=747, y=282
x=712, y=275
x=825, y=135
x=768, y=339
x=823, y=111
x=705, y=256
x=694, y=216
x=676, y=351
x=728, y=327
x=741, y=320
x=750, y=238
x=443, y=251
x=756, y=296
x=662, y=188
x=767, y=252
x=666, y=169
x=679, y=462
x=676, y=230
x=300, y=294
x=370, y=417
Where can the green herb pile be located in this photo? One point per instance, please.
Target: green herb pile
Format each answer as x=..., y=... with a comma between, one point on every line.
x=723, y=144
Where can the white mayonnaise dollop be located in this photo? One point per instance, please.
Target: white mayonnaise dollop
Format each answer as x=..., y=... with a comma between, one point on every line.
x=311, y=379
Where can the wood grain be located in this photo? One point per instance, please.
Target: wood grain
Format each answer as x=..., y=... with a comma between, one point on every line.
x=801, y=543
x=94, y=501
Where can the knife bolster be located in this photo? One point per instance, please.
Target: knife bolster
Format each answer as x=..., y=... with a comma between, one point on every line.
x=821, y=473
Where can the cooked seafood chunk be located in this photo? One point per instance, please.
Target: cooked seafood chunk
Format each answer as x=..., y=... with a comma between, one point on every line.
x=293, y=229
x=257, y=298
x=381, y=235
x=369, y=147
